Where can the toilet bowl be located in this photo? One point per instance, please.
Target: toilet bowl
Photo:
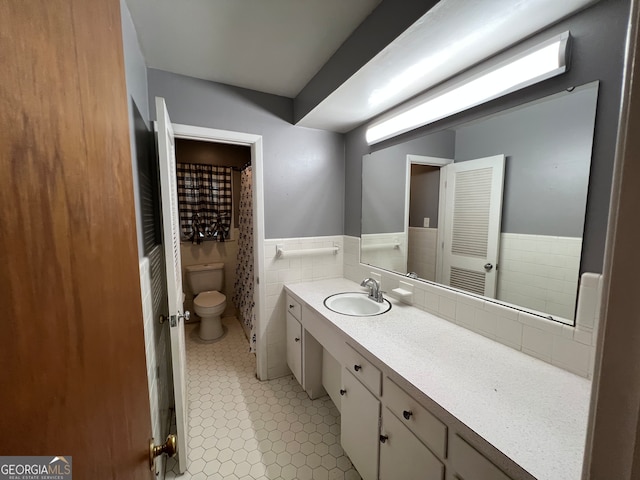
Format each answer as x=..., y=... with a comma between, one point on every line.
x=205, y=282
x=209, y=306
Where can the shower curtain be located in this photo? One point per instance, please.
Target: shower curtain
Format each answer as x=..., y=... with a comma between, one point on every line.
x=243, y=288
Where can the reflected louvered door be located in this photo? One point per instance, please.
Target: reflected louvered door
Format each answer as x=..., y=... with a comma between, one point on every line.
x=472, y=224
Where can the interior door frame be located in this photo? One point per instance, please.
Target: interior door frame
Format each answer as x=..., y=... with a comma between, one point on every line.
x=432, y=162
x=205, y=134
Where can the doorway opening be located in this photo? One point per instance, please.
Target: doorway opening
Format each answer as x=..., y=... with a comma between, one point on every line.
x=216, y=212
x=253, y=143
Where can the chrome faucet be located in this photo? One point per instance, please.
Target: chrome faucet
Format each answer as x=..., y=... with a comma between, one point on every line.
x=374, y=289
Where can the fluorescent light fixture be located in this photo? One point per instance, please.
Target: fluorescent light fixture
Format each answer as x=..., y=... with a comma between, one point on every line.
x=539, y=63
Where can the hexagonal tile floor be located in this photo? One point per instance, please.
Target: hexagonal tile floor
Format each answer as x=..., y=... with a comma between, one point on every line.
x=242, y=428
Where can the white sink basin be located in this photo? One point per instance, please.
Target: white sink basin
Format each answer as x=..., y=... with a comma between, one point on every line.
x=356, y=304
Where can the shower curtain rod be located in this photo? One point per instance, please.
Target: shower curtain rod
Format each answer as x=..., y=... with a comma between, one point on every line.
x=243, y=168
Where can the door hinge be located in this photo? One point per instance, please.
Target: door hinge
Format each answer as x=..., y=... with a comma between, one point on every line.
x=257, y=280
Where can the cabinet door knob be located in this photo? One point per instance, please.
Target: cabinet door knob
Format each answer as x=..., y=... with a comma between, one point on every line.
x=290, y=306
x=407, y=414
x=357, y=368
x=383, y=438
x=297, y=339
x=342, y=391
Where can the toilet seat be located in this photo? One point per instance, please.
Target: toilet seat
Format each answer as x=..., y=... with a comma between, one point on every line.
x=209, y=299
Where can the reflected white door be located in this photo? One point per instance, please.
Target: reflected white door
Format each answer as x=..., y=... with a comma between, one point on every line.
x=472, y=224
x=171, y=231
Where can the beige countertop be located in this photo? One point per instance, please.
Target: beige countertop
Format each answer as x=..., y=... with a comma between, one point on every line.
x=534, y=413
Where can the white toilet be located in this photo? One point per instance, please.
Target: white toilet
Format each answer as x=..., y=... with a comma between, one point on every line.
x=206, y=282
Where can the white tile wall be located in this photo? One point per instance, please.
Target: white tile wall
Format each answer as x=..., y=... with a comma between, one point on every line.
x=567, y=347
x=540, y=272
x=152, y=360
x=422, y=252
x=378, y=250
x=293, y=269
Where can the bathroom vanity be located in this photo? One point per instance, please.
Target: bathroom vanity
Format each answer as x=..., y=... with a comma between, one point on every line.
x=421, y=397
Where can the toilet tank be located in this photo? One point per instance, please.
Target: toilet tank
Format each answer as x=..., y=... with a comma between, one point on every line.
x=206, y=277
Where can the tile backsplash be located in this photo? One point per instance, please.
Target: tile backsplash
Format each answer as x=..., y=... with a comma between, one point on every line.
x=540, y=272
x=567, y=347
x=293, y=268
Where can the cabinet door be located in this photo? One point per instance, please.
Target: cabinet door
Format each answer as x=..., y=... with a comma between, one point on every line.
x=294, y=346
x=359, y=426
x=403, y=456
x=469, y=464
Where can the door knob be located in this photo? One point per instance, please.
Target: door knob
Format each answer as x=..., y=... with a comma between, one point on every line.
x=175, y=319
x=170, y=447
x=357, y=368
x=342, y=391
x=384, y=438
x=297, y=339
x=488, y=267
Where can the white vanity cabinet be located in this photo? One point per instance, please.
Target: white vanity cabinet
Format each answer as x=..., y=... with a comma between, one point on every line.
x=294, y=346
x=360, y=426
x=386, y=432
x=466, y=463
x=403, y=455
x=294, y=338
x=304, y=352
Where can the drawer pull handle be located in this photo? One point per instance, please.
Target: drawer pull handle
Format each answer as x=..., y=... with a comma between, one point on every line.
x=291, y=306
x=384, y=438
x=407, y=414
x=357, y=368
x=342, y=391
x=297, y=339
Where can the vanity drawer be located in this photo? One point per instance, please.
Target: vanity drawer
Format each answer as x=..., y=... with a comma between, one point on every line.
x=470, y=464
x=363, y=370
x=422, y=423
x=293, y=307
x=403, y=456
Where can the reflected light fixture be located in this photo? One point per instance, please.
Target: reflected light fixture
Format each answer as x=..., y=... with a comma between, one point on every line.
x=534, y=65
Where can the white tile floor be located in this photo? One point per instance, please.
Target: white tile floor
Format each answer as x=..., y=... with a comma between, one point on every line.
x=241, y=428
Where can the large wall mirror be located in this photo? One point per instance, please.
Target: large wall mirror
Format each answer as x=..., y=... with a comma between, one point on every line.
x=495, y=207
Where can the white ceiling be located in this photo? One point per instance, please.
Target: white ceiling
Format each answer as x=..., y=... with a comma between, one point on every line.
x=277, y=46
x=273, y=46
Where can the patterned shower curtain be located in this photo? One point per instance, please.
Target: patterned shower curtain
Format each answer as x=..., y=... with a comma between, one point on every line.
x=243, y=288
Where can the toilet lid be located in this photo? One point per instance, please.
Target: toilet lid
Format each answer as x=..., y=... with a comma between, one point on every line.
x=210, y=299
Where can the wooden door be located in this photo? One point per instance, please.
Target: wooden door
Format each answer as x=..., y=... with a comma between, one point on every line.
x=73, y=379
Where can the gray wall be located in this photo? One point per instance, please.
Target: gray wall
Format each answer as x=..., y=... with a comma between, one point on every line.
x=424, y=194
x=136, y=79
x=303, y=168
x=384, y=178
x=598, y=45
x=548, y=150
